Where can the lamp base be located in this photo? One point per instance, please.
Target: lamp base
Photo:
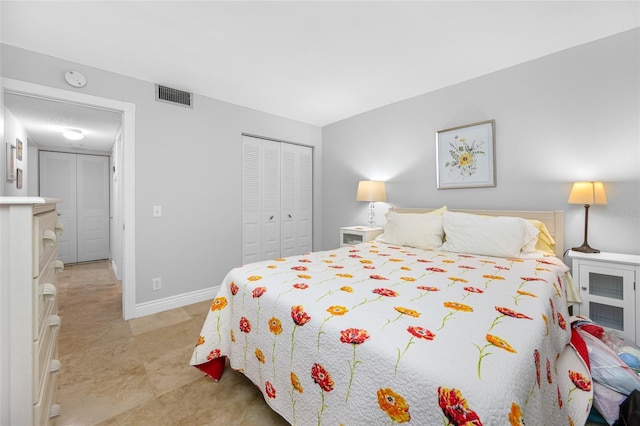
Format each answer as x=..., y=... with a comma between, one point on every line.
x=372, y=215
x=584, y=248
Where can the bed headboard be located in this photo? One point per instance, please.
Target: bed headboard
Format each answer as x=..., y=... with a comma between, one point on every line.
x=552, y=219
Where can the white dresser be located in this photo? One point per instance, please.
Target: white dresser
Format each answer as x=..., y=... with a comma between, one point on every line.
x=29, y=321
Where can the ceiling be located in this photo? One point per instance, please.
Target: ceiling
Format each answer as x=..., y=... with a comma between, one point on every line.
x=45, y=120
x=316, y=62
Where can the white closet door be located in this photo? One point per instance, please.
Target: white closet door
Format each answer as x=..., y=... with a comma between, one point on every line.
x=304, y=214
x=93, y=207
x=276, y=199
x=288, y=201
x=58, y=180
x=82, y=183
x=251, y=200
x=270, y=200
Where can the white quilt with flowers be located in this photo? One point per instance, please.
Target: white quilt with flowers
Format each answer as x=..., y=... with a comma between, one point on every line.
x=375, y=334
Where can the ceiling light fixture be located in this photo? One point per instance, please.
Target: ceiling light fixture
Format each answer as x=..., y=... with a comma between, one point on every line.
x=73, y=134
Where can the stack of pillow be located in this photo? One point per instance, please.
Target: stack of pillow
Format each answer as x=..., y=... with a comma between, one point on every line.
x=499, y=236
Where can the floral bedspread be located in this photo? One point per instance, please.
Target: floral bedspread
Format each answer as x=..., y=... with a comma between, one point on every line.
x=379, y=334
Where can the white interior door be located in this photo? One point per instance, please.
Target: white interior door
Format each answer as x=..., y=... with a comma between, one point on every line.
x=270, y=173
x=304, y=214
x=251, y=200
x=58, y=180
x=93, y=207
x=288, y=201
x=277, y=198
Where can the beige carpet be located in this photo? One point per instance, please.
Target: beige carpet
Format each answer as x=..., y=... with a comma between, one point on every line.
x=137, y=372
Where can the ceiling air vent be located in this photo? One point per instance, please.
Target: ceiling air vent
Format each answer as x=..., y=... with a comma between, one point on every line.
x=174, y=96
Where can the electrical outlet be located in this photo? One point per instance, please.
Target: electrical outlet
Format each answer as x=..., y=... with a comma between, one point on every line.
x=157, y=211
x=156, y=284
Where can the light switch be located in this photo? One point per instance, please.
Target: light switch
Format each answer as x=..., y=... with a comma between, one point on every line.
x=157, y=211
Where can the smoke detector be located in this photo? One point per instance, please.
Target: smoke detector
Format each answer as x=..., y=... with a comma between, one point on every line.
x=75, y=78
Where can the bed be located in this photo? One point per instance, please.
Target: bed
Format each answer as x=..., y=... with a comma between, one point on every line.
x=406, y=329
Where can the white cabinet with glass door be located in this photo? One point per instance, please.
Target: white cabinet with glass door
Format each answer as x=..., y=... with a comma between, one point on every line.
x=607, y=284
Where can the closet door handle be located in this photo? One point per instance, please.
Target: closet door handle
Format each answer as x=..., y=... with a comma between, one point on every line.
x=290, y=217
x=271, y=218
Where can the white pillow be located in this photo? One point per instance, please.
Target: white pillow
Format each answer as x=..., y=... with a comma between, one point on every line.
x=499, y=236
x=421, y=230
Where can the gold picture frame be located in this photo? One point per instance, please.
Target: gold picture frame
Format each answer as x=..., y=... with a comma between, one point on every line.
x=19, y=149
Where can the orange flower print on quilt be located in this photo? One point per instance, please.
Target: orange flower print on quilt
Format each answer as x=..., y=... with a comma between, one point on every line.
x=275, y=326
x=295, y=382
x=394, y=405
x=219, y=303
x=515, y=416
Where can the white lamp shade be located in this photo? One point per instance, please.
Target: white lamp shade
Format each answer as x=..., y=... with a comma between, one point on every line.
x=371, y=190
x=587, y=193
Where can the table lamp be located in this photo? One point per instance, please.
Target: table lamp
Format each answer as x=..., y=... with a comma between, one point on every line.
x=587, y=193
x=371, y=191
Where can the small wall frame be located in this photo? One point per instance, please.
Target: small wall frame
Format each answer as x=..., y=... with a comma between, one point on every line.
x=11, y=162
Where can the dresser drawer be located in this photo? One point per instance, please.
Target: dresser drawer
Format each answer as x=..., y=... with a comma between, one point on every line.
x=46, y=409
x=44, y=301
x=44, y=239
x=45, y=354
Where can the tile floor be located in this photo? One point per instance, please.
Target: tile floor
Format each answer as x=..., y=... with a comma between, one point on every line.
x=137, y=372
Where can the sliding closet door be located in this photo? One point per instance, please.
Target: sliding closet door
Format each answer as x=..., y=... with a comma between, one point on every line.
x=58, y=180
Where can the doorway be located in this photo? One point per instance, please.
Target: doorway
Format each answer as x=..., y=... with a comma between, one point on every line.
x=82, y=181
x=124, y=213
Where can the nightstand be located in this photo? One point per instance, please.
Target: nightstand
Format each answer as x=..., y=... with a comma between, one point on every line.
x=350, y=235
x=607, y=285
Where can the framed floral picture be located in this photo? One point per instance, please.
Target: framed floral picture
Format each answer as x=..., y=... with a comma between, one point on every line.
x=465, y=156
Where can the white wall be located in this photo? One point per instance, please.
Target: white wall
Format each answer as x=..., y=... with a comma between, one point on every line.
x=33, y=177
x=188, y=161
x=566, y=117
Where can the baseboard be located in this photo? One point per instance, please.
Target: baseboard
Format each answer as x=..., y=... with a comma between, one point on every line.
x=161, y=305
x=114, y=266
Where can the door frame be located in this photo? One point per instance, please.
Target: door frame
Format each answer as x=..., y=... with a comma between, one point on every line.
x=128, y=211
